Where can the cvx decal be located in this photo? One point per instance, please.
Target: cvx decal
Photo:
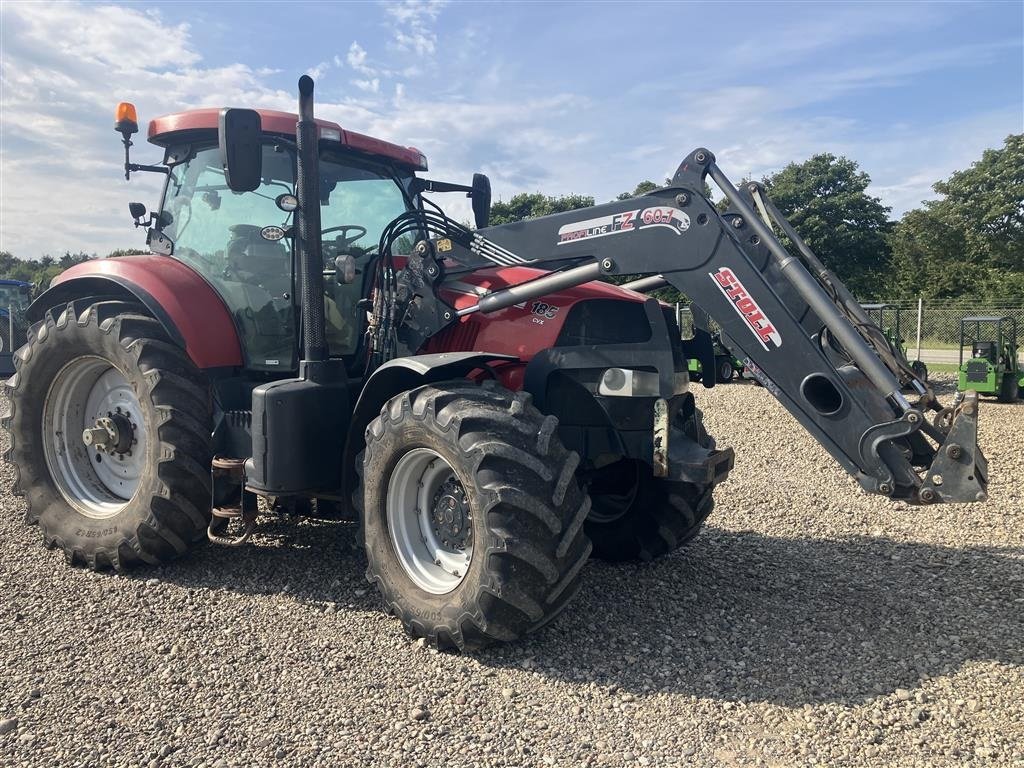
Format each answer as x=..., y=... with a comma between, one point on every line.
x=745, y=306
x=627, y=221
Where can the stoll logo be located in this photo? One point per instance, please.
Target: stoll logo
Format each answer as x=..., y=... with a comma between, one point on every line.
x=747, y=308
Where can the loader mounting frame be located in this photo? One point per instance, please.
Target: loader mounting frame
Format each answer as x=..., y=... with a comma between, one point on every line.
x=796, y=327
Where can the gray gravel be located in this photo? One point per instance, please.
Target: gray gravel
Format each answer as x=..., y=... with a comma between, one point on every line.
x=808, y=625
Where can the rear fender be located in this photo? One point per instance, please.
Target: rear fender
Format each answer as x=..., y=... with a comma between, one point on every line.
x=188, y=308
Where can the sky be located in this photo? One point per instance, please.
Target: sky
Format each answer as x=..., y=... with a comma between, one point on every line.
x=560, y=98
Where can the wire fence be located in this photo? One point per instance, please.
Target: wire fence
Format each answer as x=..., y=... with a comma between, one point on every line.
x=930, y=331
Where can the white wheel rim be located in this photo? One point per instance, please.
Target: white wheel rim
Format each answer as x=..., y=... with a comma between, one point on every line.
x=429, y=521
x=95, y=482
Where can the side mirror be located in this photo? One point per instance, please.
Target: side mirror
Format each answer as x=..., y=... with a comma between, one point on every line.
x=241, y=148
x=345, y=269
x=137, y=210
x=481, y=196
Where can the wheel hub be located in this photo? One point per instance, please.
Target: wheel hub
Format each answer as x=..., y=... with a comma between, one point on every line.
x=450, y=515
x=113, y=434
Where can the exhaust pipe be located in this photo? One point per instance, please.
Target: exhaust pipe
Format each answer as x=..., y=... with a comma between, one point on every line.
x=308, y=245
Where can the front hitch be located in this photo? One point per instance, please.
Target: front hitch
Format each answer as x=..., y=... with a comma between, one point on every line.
x=959, y=472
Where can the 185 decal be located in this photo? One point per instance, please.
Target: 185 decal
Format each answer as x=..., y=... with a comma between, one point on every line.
x=745, y=306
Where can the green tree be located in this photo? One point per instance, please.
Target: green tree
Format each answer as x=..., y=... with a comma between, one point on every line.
x=531, y=205
x=38, y=271
x=826, y=200
x=641, y=189
x=130, y=252
x=970, y=242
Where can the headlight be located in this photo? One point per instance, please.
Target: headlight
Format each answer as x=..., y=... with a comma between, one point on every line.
x=625, y=382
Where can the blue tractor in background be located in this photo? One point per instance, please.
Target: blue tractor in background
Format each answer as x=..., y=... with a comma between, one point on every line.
x=15, y=296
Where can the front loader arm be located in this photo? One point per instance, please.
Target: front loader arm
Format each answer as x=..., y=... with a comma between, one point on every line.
x=814, y=354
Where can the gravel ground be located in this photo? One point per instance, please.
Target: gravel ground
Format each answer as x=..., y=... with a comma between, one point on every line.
x=808, y=625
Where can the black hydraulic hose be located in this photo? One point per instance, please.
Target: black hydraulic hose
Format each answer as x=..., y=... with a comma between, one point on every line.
x=310, y=256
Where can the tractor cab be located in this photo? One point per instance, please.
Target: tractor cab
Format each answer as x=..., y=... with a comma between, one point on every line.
x=243, y=242
x=993, y=367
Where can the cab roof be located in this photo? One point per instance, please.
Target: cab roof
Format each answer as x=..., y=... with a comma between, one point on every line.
x=181, y=127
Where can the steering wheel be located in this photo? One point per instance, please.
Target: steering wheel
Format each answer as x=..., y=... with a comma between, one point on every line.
x=345, y=229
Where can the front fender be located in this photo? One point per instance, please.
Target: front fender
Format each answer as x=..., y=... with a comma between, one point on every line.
x=401, y=375
x=191, y=312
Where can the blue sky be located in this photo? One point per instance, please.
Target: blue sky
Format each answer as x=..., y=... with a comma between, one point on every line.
x=553, y=97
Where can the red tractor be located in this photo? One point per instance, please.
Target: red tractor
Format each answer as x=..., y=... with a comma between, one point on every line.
x=309, y=328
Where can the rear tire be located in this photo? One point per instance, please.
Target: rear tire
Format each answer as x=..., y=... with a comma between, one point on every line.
x=502, y=474
x=636, y=516
x=148, y=498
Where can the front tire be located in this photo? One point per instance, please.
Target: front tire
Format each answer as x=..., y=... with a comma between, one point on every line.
x=1008, y=388
x=920, y=370
x=472, y=515
x=138, y=488
x=725, y=370
x=636, y=516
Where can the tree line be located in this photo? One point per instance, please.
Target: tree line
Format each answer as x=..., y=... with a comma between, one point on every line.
x=968, y=243
x=41, y=271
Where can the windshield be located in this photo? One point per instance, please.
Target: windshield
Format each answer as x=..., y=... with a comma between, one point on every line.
x=14, y=297
x=223, y=236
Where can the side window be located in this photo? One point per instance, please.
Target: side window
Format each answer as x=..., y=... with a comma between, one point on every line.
x=356, y=205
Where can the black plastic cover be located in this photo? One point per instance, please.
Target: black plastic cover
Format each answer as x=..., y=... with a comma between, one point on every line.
x=298, y=431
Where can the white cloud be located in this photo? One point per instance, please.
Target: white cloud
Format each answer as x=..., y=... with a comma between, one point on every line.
x=357, y=59
x=60, y=153
x=413, y=24
x=319, y=70
x=371, y=86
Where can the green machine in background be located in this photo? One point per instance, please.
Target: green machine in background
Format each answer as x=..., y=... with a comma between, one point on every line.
x=887, y=317
x=993, y=368
x=727, y=366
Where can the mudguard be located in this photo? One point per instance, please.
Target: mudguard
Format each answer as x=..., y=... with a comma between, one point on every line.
x=400, y=375
x=188, y=307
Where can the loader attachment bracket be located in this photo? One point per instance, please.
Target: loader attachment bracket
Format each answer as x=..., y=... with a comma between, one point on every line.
x=959, y=472
x=871, y=444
